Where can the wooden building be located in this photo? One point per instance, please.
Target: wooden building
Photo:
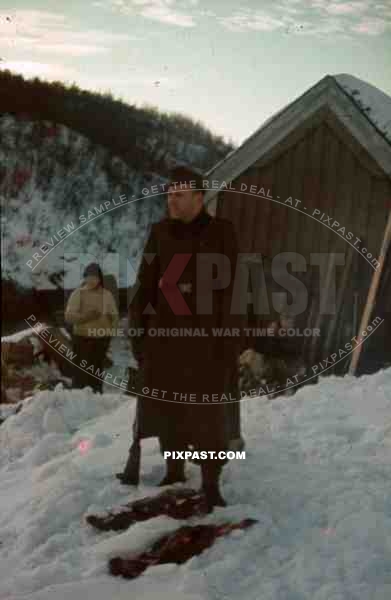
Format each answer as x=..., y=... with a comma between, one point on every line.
x=314, y=179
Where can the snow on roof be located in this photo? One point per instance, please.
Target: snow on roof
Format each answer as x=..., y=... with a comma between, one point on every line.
x=374, y=103
x=369, y=101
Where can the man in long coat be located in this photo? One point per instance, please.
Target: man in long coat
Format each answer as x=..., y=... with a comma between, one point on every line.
x=186, y=277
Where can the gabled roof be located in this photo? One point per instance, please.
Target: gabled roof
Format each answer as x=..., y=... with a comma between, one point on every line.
x=363, y=109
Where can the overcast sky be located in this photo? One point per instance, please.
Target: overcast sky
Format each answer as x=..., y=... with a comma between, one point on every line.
x=229, y=64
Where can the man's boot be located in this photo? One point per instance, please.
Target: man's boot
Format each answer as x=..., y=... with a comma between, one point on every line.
x=210, y=473
x=131, y=473
x=175, y=472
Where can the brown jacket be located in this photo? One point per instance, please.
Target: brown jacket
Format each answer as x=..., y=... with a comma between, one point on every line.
x=186, y=371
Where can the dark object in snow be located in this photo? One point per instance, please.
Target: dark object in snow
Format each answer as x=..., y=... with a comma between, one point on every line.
x=176, y=547
x=174, y=503
x=131, y=473
x=210, y=473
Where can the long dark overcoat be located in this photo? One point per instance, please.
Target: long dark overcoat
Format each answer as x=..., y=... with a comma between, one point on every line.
x=189, y=380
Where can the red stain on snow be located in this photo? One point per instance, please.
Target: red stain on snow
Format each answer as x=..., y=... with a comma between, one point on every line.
x=84, y=446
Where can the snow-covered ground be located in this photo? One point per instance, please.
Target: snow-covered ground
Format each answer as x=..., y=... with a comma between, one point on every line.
x=316, y=476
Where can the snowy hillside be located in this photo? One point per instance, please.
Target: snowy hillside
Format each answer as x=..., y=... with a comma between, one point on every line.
x=316, y=476
x=53, y=179
x=65, y=153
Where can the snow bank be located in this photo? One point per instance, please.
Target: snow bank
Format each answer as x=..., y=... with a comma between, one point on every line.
x=316, y=475
x=20, y=336
x=47, y=416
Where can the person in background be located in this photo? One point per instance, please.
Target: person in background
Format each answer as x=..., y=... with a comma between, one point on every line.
x=93, y=313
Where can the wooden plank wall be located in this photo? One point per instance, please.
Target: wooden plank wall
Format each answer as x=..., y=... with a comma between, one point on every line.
x=323, y=172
